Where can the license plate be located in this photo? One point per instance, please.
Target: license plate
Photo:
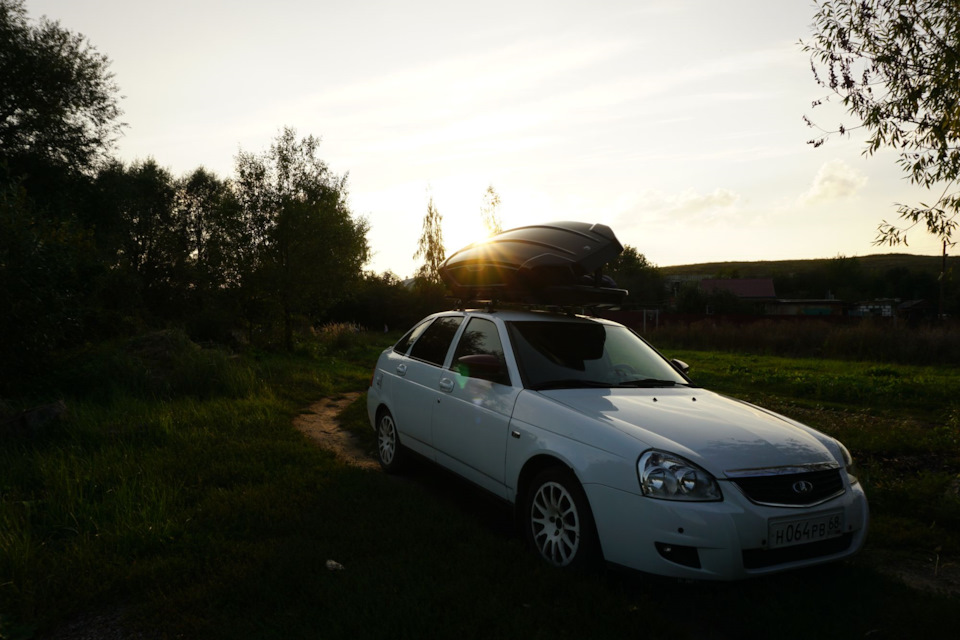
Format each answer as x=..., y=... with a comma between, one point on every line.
x=786, y=533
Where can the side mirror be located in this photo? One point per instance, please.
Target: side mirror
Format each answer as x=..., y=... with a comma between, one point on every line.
x=485, y=366
x=680, y=366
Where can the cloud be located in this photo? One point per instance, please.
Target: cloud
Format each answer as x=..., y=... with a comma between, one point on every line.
x=836, y=180
x=689, y=204
x=656, y=212
x=692, y=203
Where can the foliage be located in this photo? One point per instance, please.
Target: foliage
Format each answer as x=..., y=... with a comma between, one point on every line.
x=92, y=248
x=632, y=271
x=306, y=246
x=210, y=233
x=871, y=264
x=851, y=279
x=39, y=281
x=894, y=64
x=138, y=203
x=384, y=302
x=338, y=336
x=58, y=103
x=157, y=365
x=210, y=255
x=489, y=211
x=430, y=247
x=691, y=299
x=57, y=123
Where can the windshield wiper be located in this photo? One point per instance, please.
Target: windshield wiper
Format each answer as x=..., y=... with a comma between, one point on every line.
x=648, y=383
x=571, y=383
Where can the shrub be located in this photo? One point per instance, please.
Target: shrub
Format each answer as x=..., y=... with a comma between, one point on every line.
x=161, y=364
x=339, y=335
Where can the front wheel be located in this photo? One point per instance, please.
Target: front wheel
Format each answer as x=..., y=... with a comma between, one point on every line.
x=557, y=520
x=389, y=451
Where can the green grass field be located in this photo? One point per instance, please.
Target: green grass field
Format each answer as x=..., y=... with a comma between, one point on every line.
x=178, y=497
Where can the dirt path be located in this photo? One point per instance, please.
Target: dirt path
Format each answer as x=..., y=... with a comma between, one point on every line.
x=321, y=425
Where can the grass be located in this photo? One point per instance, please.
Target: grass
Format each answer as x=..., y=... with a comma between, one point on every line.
x=872, y=340
x=197, y=511
x=880, y=389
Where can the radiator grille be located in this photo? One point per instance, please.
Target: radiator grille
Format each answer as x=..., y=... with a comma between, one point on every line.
x=792, y=489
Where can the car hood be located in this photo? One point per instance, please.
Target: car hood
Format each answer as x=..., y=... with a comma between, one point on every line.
x=717, y=433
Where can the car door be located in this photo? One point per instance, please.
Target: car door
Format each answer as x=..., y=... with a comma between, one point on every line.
x=472, y=417
x=417, y=384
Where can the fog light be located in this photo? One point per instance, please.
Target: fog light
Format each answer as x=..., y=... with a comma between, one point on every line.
x=687, y=556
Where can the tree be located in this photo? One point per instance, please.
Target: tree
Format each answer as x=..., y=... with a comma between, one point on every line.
x=39, y=285
x=894, y=65
x=209, y=255
x=382, y=301
x=430, y=247
x=632, y=271
x=210, y=232
x=58, y=111
x=489, y=211
x=306, y=249
x=135, y=209
x=58, y=104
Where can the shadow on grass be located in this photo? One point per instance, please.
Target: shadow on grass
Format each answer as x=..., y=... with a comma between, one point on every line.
x=843, y=600
x=430, y=556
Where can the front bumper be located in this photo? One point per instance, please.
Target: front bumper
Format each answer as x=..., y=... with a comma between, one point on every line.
x=727, y=539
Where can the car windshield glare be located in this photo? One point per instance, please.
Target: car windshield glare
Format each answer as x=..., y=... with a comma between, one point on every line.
x=561, y=354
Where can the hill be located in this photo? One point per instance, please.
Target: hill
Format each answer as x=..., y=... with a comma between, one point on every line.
x=877, y=263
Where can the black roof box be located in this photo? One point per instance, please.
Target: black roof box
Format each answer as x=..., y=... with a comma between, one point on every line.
x=557, y=263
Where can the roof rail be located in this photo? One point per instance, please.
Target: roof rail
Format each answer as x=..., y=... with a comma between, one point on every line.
x=491, y=306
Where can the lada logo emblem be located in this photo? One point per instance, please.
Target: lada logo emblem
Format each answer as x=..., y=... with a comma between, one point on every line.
x=802, y=487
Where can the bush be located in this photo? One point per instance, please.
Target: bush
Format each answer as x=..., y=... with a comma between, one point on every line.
x=161, y=364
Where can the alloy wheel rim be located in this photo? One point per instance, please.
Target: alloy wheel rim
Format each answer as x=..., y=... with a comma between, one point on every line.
x=555, y=524
x=387, y=440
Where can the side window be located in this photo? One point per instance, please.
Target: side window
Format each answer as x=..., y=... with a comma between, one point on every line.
x=403, y=345
x=481, y=338
x=432, y=346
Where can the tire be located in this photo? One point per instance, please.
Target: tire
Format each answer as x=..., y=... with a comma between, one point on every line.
x=557, y=521
x=390, y=452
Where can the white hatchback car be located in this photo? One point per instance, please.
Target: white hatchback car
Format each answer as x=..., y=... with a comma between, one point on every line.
x=608, y=450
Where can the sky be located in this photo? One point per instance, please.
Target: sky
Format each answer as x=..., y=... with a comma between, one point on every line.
x=678, y=123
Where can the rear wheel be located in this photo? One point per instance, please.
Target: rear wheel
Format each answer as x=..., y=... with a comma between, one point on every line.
x=389, y=450
x=557, y=520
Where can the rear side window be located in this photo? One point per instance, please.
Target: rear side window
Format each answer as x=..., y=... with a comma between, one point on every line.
x=403, y=345
x=482, y=338
x=433, y=345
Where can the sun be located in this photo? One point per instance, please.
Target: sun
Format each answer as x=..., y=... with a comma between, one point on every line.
x=459, y=202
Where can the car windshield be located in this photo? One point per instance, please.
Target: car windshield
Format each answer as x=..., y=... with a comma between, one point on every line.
x=583, y=353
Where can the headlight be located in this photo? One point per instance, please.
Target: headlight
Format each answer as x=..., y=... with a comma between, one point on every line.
x=669, y=477
x=848, y=464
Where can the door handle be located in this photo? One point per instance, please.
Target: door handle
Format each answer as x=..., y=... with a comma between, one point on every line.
x=446, y=385
x=401, y=369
